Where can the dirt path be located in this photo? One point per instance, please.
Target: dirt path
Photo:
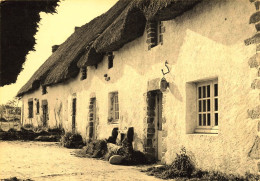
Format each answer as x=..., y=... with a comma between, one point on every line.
x=48, y=161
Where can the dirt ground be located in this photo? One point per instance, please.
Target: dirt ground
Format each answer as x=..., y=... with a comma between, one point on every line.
x=49, y=161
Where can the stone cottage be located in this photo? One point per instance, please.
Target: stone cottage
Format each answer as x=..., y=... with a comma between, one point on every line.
x=182, y=73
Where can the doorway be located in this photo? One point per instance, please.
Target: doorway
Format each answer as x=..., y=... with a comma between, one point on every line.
x=158, y=124
x=92, y=119
x=44, y=113
x=74, y=103
x=154, y=124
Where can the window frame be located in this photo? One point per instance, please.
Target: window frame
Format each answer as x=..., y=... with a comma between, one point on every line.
x=212, y=128
x=113, y=109
x=159, y=33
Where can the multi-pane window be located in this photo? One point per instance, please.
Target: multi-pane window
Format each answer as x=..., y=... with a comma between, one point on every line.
x=30, y=109
x=113, y=107
x=207, y=105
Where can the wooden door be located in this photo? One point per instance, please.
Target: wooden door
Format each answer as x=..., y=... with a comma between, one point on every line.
x=45, y=114
x=158, y=126
x=74, y=103
x=92, y=119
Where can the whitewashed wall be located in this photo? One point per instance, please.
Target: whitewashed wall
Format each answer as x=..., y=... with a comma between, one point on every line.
x=205, y=42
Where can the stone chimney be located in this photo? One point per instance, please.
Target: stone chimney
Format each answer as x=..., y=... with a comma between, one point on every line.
x=76, y=27
x=55, y=47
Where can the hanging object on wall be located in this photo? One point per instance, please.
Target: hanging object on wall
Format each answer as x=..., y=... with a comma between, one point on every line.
x=106, y=77
x=163, y=85
x=168, y=70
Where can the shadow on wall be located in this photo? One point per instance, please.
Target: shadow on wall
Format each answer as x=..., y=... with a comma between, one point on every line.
x=133, y=53
x=175, y=91
x=212, y=19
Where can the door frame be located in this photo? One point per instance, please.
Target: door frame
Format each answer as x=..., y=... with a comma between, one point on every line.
x=153, y=139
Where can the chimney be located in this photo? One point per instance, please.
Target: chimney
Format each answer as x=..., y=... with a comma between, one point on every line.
x=55, y=47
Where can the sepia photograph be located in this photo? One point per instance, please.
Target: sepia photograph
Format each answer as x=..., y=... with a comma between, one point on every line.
x=130, y=90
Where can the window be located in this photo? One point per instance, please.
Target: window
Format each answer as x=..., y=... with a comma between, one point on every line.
x=207, y=107
x=155, y=32
x=37, y=107
x=160, y=30
x=113, y=108
x=30, y=109
x=83, y=73
x=44, y=90
x=110, y=57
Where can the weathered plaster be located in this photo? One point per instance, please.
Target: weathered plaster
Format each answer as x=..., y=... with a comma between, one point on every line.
x=206, y=42
x=255, y=150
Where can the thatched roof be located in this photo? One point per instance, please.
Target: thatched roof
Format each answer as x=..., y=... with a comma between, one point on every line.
x=19, y=24
x=124, y=22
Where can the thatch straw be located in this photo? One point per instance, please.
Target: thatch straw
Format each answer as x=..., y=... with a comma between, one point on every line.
x=164, y=9
x=124, y=22
x=127, y=27
x=91, y=57
x=57, y=66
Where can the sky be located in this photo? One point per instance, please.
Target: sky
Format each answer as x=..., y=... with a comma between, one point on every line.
x=54, y=29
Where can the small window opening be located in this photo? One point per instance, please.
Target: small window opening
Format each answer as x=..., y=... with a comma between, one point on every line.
x=37, y=107
x=155, y=30
x=44, y=90
x=110, y=60
x=83, y=73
